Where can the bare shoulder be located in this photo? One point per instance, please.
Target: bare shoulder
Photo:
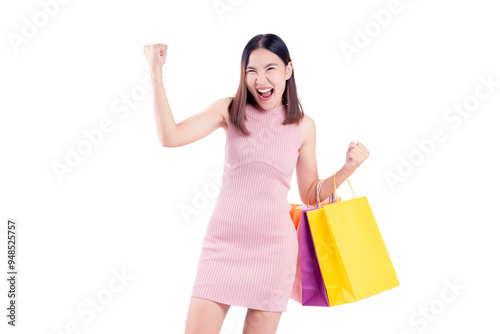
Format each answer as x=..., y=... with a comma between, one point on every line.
x=221, y=105
x=308, y=131
x=224, y=102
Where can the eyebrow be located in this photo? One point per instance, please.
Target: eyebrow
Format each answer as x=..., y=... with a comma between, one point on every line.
x=264, y=66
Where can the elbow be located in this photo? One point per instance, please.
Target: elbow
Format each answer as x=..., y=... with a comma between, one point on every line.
x=167, y=139
x=168, y=144
x=303, y=199
x=165, y=142
x=309, y=195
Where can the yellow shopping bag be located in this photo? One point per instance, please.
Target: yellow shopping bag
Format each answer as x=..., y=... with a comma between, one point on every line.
x=352, y=256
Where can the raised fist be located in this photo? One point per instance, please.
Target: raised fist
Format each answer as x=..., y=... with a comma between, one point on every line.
x=156, y=55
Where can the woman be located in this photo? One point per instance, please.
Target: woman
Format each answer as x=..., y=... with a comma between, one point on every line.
x=249, y=252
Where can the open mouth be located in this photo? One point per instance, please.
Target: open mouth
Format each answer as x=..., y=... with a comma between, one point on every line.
x=267, y=93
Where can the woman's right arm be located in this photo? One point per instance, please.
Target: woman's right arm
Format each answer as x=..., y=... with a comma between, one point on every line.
x=192, y=128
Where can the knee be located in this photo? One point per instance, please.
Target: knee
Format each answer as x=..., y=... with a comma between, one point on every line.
x=261, y=322
x=205, y=316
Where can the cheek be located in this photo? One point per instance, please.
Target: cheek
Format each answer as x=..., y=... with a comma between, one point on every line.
x=280, y=87
x=278, y=80
x=248, y=82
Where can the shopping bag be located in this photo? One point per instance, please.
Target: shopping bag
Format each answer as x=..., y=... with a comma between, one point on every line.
x=296, y=209
x=351, y=253
x=309, y=288
x=313, y=287
x=296, y=293
x=295, y=213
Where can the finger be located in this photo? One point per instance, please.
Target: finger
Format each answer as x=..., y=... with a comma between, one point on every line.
x=363, y=150
x=354, y=155
x=360, y=153
x=360, y=150
x=363, y=147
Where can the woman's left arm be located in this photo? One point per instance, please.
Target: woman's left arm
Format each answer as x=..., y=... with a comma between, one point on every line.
x=307, y=170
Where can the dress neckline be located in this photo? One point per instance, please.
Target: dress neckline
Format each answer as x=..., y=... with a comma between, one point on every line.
x=276, y=110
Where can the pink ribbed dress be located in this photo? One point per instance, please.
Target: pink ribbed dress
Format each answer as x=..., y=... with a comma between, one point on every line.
x=249, y=252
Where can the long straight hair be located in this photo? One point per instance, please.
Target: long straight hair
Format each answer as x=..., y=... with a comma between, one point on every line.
x=293, y=109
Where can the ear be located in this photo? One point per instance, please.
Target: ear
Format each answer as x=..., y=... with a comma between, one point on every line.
x=288, y=70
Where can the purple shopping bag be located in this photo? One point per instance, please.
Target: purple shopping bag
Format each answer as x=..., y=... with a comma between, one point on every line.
x=313, y=286
x=309, y=288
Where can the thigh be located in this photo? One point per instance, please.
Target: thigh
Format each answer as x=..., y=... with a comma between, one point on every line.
x=205, y=316
x=261, y=322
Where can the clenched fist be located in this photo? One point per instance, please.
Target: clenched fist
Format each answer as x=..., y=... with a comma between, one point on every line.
x=356, y=154
x=156, y=55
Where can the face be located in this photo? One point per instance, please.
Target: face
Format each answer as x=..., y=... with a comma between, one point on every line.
x=265, y=70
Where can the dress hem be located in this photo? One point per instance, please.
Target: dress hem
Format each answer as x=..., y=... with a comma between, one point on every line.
x=232, y=303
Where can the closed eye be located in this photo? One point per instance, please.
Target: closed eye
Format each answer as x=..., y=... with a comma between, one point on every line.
x=270, y=68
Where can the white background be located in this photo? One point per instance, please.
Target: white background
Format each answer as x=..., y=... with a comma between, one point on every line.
x=120, y=208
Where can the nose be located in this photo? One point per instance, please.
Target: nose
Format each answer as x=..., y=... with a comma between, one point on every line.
x=261, y=79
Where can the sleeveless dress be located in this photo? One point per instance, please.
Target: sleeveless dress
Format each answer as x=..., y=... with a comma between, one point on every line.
x=249, y=252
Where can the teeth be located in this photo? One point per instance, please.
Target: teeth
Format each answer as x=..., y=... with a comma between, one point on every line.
x=263, y=91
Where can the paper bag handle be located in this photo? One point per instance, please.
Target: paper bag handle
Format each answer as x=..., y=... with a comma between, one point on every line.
x=310, y=191
x=335, y=186
x=316, y=185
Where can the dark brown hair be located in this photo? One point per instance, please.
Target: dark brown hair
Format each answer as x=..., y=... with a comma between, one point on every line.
x=293, y=109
